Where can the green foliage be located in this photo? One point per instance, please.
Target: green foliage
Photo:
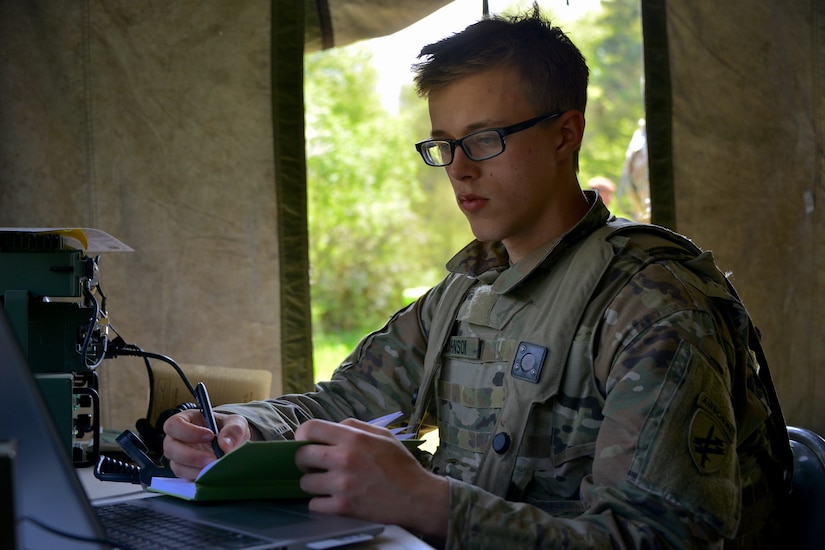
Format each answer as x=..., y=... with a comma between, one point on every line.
x=445, y=228
x=611, y=41
x=380, y=220
x=368, y=211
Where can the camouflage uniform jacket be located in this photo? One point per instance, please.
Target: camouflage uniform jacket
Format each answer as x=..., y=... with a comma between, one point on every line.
x=644, y=424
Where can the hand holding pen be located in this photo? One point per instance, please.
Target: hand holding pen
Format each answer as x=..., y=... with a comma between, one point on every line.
x=208, y=415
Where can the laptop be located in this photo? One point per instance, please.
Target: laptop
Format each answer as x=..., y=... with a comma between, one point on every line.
x=52, y=510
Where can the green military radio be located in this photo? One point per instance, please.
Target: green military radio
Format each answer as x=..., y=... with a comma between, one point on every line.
x=52, y=297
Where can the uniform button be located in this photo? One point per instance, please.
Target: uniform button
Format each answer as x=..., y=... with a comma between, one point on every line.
x=528, y=362
x=501, y=442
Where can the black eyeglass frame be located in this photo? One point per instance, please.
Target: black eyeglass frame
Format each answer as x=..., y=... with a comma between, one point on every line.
x=502, y=133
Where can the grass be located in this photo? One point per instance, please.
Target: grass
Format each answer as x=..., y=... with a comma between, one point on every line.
x=328, y=350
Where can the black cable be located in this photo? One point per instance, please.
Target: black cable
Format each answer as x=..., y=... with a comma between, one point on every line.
x=99, y=312
x=150, y=374
x=84, y=349
x=119, y=343
x=152, y=433
x=121, y=348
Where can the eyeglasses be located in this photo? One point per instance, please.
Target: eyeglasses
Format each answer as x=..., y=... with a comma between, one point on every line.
x=481, y=145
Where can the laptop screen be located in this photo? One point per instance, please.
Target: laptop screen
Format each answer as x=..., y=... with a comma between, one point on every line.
x=50, y=508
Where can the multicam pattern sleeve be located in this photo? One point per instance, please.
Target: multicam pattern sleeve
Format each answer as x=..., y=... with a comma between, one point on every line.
x=380, y=376
x=665, y=469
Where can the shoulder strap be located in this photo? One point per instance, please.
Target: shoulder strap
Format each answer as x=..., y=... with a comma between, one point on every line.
x=445, y=314
x=660, y=242
x=576, y=286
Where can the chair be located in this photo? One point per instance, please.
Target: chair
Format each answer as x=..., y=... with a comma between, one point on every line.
x=805, y=524
x=226, y=385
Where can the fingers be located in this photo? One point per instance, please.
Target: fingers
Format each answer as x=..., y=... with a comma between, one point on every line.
x=187, y=459
x=318, y=431
x=187, y=426
x=187, y=444
x=338, y=445
x=324, y=431
x=366, y=427
x=234, y=430
x=357, y=469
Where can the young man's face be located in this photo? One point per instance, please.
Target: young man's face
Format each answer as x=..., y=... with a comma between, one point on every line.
x=514, y=197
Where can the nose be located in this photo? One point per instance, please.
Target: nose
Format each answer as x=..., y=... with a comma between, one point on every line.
x=463, y=167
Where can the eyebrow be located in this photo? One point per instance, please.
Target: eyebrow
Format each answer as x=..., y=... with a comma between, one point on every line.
x=474, y=127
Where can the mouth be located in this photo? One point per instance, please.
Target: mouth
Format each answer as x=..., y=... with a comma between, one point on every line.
x=470, y=203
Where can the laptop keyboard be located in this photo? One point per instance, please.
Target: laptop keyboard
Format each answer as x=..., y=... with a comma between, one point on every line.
x=139, y=528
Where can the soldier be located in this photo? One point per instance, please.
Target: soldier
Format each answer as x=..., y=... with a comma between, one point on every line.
x=595, y=382
x=634, y=186
x=604, y=186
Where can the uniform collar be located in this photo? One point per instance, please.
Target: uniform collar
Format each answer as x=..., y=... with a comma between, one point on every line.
x=490, y=262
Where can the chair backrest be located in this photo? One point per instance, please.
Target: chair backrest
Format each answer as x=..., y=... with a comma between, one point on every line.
x=805, y=520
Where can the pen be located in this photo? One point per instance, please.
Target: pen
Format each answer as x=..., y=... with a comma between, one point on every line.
x=208, y=415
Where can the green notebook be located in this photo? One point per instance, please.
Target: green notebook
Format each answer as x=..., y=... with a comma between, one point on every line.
x=254, y=470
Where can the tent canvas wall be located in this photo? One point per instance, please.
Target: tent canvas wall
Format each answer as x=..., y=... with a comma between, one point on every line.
x=735, y=100
x=178, y=128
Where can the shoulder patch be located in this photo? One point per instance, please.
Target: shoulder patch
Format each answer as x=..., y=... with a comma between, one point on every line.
x=709, y=437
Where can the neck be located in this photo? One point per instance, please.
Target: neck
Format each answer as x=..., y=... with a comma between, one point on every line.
x=565, y=214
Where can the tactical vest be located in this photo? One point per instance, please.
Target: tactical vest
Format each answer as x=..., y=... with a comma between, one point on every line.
x=528, y=374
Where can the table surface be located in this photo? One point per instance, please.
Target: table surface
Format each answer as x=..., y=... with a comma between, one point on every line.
x=393, y=537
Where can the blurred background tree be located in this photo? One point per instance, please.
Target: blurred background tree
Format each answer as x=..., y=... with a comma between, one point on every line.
x=381, y=222
x=362, y=193
x=610, y=40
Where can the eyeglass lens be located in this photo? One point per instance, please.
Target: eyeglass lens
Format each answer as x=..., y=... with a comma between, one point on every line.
x=478, y=146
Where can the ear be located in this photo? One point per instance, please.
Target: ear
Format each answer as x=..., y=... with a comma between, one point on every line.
x=571, y=130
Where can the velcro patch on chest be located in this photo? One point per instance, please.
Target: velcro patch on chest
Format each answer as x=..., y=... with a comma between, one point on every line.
x=463, y=348
x=528, y=362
